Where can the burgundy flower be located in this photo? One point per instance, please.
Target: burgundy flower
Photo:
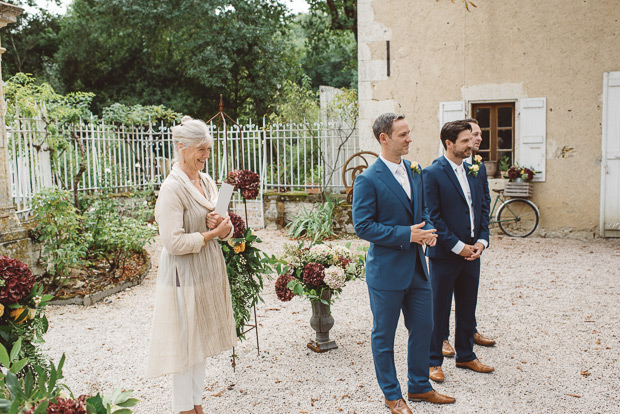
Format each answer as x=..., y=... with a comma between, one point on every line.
x=18, y=280
x=245, y=180
x=68, y=406
x=313, y=274
x=344, y=262
x=513, y=173
x=284, y=293
x=238, y=224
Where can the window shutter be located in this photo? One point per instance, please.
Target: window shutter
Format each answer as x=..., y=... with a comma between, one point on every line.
x=448, y=112
x=533, y=135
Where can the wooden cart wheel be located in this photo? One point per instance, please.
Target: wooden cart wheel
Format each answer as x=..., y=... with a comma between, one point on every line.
x=353, y=167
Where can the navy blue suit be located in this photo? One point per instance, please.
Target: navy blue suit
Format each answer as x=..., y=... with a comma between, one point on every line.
x=483, y=186
x=396, y=273
x=448, y=210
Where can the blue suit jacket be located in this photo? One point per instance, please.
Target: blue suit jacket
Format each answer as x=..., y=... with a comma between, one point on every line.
x=447, y=207
x=383, y=215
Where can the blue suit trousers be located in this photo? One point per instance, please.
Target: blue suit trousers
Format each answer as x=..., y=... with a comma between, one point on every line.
x=415, y=302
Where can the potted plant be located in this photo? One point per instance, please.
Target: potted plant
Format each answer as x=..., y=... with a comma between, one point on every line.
x=317, y=272
x=519, y=181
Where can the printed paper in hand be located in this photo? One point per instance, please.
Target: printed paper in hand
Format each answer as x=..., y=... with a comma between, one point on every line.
x=223, y=199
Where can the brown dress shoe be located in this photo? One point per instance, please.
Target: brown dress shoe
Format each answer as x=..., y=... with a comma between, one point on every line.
x=447, y=349
x=482, y=340
x=436, y=374
x=475, y=365
x=398, y=406
x=432, y=397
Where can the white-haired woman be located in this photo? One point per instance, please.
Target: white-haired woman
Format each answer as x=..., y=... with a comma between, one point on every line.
x=193, y=316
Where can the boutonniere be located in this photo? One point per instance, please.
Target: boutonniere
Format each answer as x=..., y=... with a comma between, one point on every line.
x=415, y=167
x=473, y=169
x=477, y=159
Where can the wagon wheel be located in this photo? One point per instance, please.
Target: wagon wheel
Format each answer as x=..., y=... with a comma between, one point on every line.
x=353, y=167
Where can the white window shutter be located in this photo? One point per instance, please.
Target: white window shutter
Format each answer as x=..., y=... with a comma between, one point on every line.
x=533, y=135
x=448, y=112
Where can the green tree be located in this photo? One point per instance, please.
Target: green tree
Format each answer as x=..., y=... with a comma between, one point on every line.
x=31, y=43
x=181, y=53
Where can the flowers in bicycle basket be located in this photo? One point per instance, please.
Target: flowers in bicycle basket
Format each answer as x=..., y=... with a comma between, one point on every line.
x=516, y=171
x=245, y=180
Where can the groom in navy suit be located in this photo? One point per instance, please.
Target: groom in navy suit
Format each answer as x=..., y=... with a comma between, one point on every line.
x=456, y=206
x=388, y=211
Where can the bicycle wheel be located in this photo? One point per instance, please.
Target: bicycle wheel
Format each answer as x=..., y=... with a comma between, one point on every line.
x=518, y=217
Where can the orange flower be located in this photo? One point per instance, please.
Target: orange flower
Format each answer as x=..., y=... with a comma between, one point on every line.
x=1, y=310
x=240, y=248
x=16, y=313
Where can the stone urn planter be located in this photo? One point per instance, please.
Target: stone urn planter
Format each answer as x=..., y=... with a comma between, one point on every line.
x=322, y=321
x=491, y=167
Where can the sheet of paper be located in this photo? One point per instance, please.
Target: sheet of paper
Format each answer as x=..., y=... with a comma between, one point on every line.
x=223, y=199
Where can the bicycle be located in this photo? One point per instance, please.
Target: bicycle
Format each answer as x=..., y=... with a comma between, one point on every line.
x=517, y=217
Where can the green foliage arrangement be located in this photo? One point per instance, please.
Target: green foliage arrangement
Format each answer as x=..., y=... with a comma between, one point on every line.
x=315, y=224
x=245, y=265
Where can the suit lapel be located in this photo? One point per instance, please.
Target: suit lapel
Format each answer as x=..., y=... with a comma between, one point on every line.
x=414, y=189
x=452, y=176
x=472, y=183
x=388, y=179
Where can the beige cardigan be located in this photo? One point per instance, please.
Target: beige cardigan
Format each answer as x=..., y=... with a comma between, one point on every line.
x=180, y=212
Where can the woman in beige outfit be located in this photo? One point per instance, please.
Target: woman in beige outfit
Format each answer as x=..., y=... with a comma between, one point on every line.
x=193, y=316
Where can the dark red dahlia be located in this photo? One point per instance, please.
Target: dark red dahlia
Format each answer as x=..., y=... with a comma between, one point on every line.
x=344, y=262
x=238, y=224
x=513, y=173
x=313, y=274
x=68, y=406
x=284, y=293
x=18, y=280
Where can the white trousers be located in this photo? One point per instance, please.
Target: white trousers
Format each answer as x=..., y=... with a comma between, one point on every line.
x=186, y=386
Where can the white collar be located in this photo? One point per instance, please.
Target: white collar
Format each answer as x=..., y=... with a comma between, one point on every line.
x=453, y=165
x=391, y=165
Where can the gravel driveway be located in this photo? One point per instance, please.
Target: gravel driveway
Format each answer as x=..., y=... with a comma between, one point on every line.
x=552, y=305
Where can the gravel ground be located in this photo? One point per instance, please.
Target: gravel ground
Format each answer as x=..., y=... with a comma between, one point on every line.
x=552, y=305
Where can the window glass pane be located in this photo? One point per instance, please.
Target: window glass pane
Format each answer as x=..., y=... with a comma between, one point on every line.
x=484, y=145
x=486, y=156
x=504, y=139
x=482, y=115
x=504, y=117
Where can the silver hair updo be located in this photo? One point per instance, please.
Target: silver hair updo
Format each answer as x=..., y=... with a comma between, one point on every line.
x=191, y=133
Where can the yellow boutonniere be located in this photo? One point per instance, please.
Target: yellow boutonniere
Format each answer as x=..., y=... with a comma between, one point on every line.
x=477, y=159
x=415, y=167
x=473, y=170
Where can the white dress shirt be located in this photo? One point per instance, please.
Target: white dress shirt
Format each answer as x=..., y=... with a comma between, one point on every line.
x=461, y=175
x=403, y=180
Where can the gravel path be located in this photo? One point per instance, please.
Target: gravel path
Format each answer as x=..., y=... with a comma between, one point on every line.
x=552, y=304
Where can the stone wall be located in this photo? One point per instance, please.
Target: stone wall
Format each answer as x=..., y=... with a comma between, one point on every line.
x=281, y=208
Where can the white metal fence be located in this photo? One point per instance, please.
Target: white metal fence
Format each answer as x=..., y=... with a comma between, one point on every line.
x=287, y=156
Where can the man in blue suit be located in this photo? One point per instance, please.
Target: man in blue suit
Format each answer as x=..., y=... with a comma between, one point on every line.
x=388, y=211
x=483, y=186
x=457, y=207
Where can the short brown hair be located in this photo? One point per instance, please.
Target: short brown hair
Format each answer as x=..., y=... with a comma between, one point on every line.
x=471, y=121
x=451, y=130
x=385, y=123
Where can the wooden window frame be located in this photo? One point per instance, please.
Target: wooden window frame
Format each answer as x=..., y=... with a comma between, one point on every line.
x=494, y=128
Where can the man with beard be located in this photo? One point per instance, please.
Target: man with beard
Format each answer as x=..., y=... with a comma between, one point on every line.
x=457, y=208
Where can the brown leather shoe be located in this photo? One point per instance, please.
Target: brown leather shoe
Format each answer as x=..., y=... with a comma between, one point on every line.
x=432, y=397
x=398, y=406
x=447, y=349
x=475, y=365
x=436, y=374
x=483, y=340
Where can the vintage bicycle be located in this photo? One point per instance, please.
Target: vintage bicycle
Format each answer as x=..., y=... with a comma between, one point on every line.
x=516, y=217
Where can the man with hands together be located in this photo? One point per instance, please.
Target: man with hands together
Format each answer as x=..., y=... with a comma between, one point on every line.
x=455, y=205
x=388, y=211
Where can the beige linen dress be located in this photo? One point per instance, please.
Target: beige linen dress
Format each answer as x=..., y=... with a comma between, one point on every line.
x=180, y=212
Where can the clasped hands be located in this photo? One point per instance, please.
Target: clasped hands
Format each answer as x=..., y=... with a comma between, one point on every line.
x=470, y=252
x=218, y=224
x=423, y=237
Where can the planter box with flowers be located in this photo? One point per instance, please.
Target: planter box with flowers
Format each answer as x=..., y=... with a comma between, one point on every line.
x=318, y=272
x=519, y=185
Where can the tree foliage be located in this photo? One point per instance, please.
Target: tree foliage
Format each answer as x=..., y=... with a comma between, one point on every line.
x=179, y=53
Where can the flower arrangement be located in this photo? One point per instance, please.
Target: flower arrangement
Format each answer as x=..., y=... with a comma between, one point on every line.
x=516, y=171
x=245, y=264
x=248, y=182
x=474, y=169
x=415, y=167
x=309, y=271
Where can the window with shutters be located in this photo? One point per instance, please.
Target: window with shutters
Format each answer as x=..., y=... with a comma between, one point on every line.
x=497, y=123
